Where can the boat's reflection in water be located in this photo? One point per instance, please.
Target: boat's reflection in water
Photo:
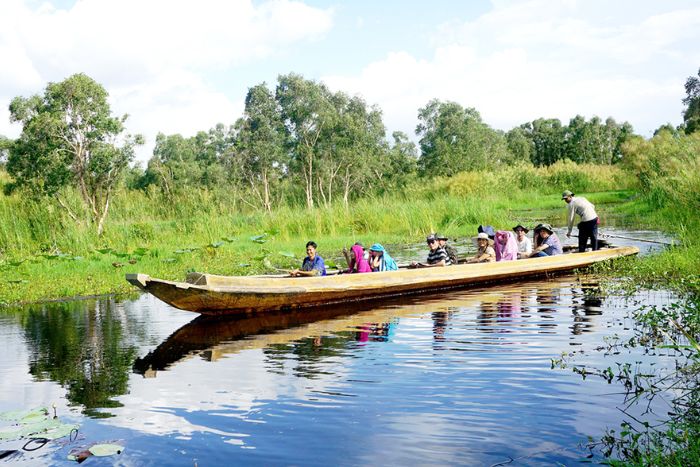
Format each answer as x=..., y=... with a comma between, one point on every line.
x=499, y=310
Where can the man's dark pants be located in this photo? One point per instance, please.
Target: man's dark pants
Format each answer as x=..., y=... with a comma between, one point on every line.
x=586, y=230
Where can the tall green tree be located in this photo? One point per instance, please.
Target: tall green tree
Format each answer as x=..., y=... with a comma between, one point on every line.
x=400, y=164
x=262, y=150
x=306, y=109
x=454, y=139
x=519, y=144
x=352, y=148
x=69, y=137
x=691, y=114
x=180, y=163
x=548, y=140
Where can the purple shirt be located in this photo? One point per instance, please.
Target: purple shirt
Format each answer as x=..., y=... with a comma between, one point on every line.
x=554, y=247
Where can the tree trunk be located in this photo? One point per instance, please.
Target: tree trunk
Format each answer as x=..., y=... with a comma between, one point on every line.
x=102, y=217
x=68, y=209
x=310, y=183
x=266, y=194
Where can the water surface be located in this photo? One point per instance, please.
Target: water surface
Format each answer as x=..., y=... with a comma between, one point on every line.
x=463, y=378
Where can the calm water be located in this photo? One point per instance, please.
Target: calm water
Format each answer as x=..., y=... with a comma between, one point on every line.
x=461, y=378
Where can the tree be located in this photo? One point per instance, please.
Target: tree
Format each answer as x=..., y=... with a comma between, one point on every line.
x=547, y=136
x=519, y=144
x=401, y=162
x=261, y=144
x=352, y=148
x=69, y=137
x=174, y=166
x=5, y=144
x=180, y=163
x=306, y=110
x=691, y=115
x=454, y=139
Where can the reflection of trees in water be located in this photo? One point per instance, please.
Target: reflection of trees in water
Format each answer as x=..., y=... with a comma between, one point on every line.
x=80, y=345
x=587, y=303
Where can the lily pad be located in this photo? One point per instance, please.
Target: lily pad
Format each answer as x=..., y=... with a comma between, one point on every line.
x=216, y=244
x=42, y=427
x=104, y=251
x=17, y=281
x=288, y=254
x=102, y=450
x=259, y=238
x=169, y=260
x=19, y=415
x=140, y=251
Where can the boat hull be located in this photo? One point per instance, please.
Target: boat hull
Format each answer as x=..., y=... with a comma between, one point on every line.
x=211, y=294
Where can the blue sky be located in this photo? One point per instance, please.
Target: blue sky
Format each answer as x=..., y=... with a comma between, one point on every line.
x=179, y=66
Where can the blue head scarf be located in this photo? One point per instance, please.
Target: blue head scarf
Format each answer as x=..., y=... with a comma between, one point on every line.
x=388, y=263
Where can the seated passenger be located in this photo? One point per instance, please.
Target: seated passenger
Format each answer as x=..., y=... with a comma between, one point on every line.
x=485, y=252
x=546, y=242
x=488, y=230
x=380, y=260
x=437, y=256
x=451, y=252
x=506, y=247
x=357, y=261
x=524, y=243
x=313, y=264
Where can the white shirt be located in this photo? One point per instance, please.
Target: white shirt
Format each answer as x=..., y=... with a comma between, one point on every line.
x=584, y=208
x=525, y=246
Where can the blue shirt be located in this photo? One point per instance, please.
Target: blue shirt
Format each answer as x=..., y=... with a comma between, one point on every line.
x=316, y=265
x=554, y=246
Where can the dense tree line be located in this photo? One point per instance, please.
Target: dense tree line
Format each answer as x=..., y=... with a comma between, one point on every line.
x=298, y=143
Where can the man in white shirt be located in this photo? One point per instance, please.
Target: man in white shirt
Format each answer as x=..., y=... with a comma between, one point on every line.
x=524, y=243
x=588, y=227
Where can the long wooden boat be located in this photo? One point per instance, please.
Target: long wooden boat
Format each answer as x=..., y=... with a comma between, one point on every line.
x=211, y=294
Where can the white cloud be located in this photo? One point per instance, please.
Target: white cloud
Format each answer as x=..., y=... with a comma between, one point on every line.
x=525, y=60
x=152, y=57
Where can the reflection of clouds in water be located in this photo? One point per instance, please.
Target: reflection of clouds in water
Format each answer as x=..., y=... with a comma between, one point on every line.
x=19, y=390
x=238, y=385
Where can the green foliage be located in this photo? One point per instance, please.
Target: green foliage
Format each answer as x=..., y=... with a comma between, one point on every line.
x=527, y=178
x=580, y=141
x=691, y=115
x=668, y=169
x=454, y=139
x=180, y=164
x=261, y=146
x=70, y=138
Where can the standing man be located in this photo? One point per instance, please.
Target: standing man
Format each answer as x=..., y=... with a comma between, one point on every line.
x=588, y=227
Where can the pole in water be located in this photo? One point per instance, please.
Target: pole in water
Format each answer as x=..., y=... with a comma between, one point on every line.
x=631, y=238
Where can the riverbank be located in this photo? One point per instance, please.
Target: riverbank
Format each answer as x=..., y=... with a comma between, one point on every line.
x=258, y=243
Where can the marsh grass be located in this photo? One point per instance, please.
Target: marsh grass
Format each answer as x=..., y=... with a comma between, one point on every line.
x=211, y=231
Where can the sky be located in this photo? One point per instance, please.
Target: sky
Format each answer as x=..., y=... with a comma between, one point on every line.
x=179, y=66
